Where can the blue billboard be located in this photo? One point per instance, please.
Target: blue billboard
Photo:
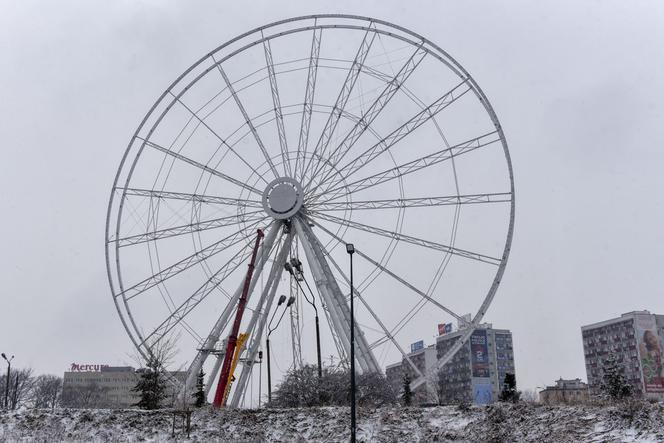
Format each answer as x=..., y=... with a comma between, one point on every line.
x=417, y=346
x=482, y=394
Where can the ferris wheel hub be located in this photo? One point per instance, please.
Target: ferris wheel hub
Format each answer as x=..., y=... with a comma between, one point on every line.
x=283, y=197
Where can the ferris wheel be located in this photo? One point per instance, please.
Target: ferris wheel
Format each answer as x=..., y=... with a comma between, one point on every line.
x=277, y=149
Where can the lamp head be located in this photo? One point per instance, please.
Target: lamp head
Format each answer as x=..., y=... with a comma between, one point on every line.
x=291, y=300
x=288, y=268
x=296, y=263
x=282, y=299
x=350, y=248
x=4, y=356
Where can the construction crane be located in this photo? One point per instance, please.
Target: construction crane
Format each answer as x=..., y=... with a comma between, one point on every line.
x=226, y=368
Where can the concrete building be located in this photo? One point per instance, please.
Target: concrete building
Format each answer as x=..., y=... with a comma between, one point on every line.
x=565, y=392
x=477, y=372
x=474, y=375
x=636, y=341
x=423, y=359
x=103, y=386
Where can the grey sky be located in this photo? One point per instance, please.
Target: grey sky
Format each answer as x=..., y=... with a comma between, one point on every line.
x=577, y=87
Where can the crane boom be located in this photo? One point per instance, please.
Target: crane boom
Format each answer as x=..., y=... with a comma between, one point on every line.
x=232, y=338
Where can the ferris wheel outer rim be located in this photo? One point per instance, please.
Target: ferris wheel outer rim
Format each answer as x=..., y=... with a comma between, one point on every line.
x=461, y=72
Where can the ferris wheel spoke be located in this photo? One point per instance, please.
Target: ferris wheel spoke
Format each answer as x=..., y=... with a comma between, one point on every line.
x=186, y=263
x=196, y=198
x=247, y=119
x=213, y=132
x=200, y=166
x=408, y=239
x=279, y=118
x=230, y=220
x=445, y=200
x=197, y=297
x=412, y=166
x=395, y=276
x=374, y=110
x=305, y=124
x=342, y=99
x=402, y=131
x=389, y=336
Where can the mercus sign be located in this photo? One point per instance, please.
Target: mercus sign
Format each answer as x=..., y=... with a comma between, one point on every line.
x=76, y=367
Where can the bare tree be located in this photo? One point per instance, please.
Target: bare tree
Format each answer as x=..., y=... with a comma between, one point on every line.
x=374, y=390
x=303, y=387
x=530, y=396
x=91, y=395
x=46, y=392
x=20, y=387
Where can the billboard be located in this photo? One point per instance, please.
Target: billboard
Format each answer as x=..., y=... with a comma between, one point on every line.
x=479, y=353
x=482, y=394
x=444, y=328
x=651, y=353
x=417, y=346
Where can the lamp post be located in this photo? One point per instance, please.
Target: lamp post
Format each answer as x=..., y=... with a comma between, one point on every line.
x=351, y=249
x=9, y=367
x=282, y=299
x=295, y=269
x=260, y=377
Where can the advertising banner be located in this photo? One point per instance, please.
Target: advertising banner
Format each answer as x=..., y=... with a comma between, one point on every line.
x=482, y=394
x=650, y=353
x=417, y=346
x=444, y=328
x=480, y=353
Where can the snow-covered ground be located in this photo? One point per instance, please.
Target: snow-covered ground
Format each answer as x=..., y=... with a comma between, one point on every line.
x=498, y=423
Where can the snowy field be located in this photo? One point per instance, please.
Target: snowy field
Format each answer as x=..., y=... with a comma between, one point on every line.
x=500, y=423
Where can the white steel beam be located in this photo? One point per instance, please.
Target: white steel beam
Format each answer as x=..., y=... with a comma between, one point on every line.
x=321, y=283
x=365, y=356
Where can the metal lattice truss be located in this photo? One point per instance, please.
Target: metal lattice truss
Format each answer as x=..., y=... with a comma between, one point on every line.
x=319, y=130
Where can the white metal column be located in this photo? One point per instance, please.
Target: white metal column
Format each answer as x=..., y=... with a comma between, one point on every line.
x=365, y=357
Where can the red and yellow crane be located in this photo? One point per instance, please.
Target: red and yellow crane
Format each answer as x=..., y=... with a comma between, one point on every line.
x=231, y=355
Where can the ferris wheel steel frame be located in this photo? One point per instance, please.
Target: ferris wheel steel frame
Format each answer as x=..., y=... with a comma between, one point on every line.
x=318, y=181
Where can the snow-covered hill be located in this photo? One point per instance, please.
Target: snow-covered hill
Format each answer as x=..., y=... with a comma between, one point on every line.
x=499, y=423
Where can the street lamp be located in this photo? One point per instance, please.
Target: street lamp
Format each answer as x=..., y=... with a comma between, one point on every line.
x=260, y=376
x=9, y=367
x=282, y=299
x=295, y=269
x=350, y=249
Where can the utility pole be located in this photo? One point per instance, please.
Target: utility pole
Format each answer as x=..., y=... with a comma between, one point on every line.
x=351, y=249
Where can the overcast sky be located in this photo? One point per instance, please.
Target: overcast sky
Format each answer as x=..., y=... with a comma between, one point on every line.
x=576, y=85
